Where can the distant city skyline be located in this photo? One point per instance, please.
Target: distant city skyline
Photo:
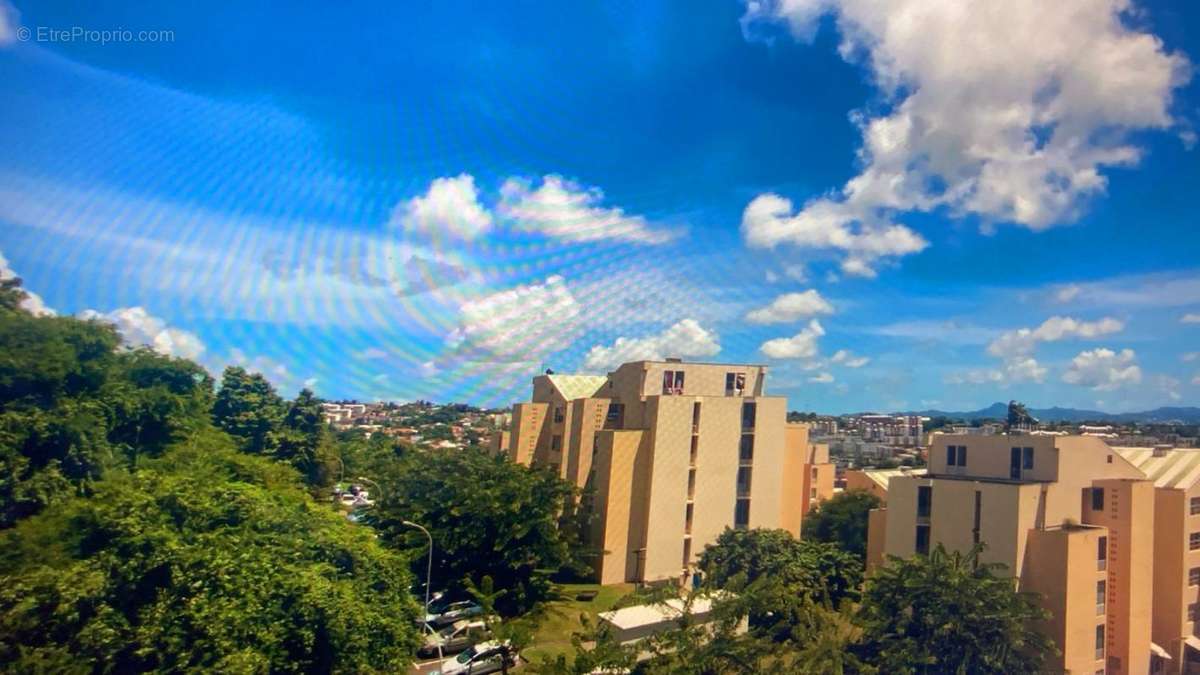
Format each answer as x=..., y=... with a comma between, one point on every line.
x=441, y=201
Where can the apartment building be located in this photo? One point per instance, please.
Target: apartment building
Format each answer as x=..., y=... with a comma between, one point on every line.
x=1176, y=587
x=669, y=455
x=1070, y=518
x=875, y=481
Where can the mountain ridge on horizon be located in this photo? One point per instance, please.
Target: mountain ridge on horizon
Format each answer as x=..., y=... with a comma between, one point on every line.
x=999, y=410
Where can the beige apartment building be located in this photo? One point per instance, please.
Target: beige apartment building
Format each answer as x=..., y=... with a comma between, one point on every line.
x=1072, y=520
x=669, y=455
x=1176, y=587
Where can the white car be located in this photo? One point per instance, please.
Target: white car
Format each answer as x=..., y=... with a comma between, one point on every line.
x=440, y=613
x=485, y=657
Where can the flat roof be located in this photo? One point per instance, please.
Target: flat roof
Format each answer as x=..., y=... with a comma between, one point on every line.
x=647, y=615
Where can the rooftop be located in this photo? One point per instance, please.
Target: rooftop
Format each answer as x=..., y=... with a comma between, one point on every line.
x=1177, y=468
x=577, y=386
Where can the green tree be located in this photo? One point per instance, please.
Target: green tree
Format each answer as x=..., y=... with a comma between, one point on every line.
x=949, y=613
x=11, y=294
x=741, y=558
x=488, y=517
x=203, y=560
x=248, y=408
x=304, y=440
x=842, y=520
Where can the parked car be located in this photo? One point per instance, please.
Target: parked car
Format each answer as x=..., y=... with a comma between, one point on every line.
x=485, y=657
x=454, y=638
x=440, y=613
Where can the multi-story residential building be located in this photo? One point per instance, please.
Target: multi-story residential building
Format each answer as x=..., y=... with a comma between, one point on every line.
x=669, y=455
x=1071, y=519
x=1176, y=587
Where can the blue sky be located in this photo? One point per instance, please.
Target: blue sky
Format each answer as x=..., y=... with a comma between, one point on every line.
x=930, y=205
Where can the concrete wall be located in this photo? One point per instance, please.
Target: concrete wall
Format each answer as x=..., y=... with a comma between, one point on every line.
x=622, y=468
x=1172, y=594
x=876, y=537
x=1061, y=569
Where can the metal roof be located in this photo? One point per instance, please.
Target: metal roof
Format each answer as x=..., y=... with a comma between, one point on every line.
x=1177, y=468
x=577, y=386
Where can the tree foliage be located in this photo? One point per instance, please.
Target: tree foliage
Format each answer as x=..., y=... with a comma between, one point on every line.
x=949, y=613
x=202, y=560
x=740, y=558
x=842, y=520
x=248, y=408
x=488, y=516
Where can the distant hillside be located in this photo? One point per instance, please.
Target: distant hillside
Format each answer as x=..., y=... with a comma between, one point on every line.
x=998, y=411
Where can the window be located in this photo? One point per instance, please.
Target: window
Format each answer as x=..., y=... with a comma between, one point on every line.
x=923, y=540
x=735, y=384
x=1194, y=611
x=741, y=514
x=696, y=417
x=812, y=494
x=1194, y=506
x=1194, y=576
x=978, y=510
x=748, y=413
x=1097, y=499
x=814, y=473
x=1101, y=588
x=1027, y=454
x=956, y=455
x=743, y=481
x=1194, y=541
x=672, y=382
x=687, y=552
x=746, y=448
x=1102, y=553
x=558, y=414
x=556, y=442
x=615, y=416
x=695, y=450
x=1100, y=641
x=924, y=501
x=687, y=519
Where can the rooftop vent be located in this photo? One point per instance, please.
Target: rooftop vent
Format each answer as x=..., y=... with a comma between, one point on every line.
x=1161, y=450
x=674, y=359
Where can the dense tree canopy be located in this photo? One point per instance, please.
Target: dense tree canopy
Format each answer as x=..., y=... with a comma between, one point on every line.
x=205, y=559
x=248, y=408
x=842, y=520
x=821, y=571
x=949, y=613
x=488, y=516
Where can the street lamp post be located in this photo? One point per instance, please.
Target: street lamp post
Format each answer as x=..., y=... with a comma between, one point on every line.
x=428, y=578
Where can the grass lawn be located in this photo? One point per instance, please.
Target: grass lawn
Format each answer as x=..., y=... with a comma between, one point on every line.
x=556, y=621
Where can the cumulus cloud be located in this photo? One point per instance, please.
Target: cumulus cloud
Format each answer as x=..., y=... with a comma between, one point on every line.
x=687, y=338
x=844, y=357
x=1067, y=293
x=517, y=324
x=1190, y=356
x=138, y=327
x=822, y=378
x=1190, y=317
x=451, y=207
x=770, y=220
x=975, y=121
x=565, y=210
x=1103, y=369
x=791, y=307
x=1023, y=341
x=1017, y=369
x=33, y=302
x=802, y=345
x=9, y=23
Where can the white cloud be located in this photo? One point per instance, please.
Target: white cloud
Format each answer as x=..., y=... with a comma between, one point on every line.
x=1021, y=342
x=1011, y=130
x=791, y=307
x=9, y=23
x=1067, y=293
x=1196, y=379
x=1169, y=386
x=822, y=378
x=1190, y=356
x=33, y=302
x=1018, y=369
x=848, y=359
x=517, y=324
x=273, y=370
x=802, y=345
x=686, y=338
x=769, y=221
x=1103, y=369
x=1191, y=317
x=138, y=327
x=451, y=206
x=565, y=210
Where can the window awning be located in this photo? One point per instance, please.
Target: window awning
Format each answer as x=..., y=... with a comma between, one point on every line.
x=1193, y=642
x=1160, y=652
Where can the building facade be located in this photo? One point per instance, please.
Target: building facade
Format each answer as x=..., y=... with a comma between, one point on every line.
x=668, y=455
x=1071, y=520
